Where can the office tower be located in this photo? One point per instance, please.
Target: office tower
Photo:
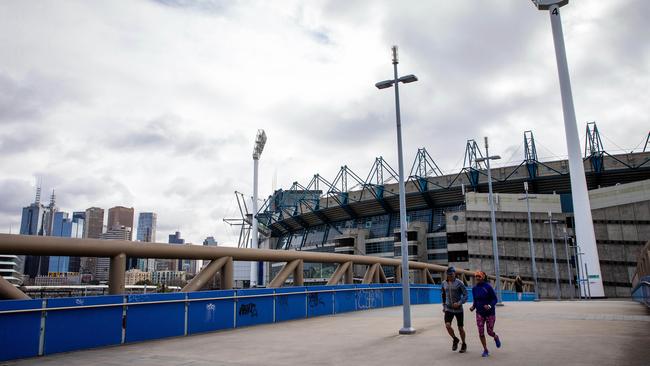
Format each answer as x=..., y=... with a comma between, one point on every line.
x=94, y=223
x=103, y=264
x=209, y=241
x=119, y=216
x=48, y=216
x=32, y=224
x=62, y=227
x=176, y=265
x=147, y=233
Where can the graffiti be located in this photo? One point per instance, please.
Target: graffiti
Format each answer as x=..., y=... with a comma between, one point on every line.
x=209, y=312
x=248, y=310
x=314, y=300
x=79, y=301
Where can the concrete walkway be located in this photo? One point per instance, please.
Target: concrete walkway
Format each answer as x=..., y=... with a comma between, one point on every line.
x=546, y=333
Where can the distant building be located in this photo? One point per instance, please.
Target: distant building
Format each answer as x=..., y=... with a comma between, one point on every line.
x=209, y=241
x=48, y=216
x=103, y=264
x=147, y=222
x=94, y=223
x=119, y=216
x=32, y=224
x=58, y=279
x=169, y=278
x=62, y=227
x=135, y=275
x=176, y=239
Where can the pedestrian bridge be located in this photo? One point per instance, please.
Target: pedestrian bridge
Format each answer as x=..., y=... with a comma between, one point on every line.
x=343, y=325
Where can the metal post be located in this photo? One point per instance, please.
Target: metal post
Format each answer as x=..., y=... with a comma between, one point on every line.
x=582, y=274
x=578, y=277
x=532, y=244
x=406, y=308
x=116, y=273
x=568, y=265
x=557, y=272
x=584, y=227
x=495, y=247
x=588, y=282
x=254, y=243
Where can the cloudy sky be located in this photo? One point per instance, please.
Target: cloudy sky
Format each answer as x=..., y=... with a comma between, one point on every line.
x=155, y=104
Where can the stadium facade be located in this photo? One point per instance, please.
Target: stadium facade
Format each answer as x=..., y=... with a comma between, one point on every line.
x=448, y=215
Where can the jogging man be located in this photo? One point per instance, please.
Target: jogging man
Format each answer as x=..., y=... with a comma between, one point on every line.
x=454, y=295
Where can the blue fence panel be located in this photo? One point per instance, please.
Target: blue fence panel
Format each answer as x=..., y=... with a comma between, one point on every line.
x=509, y=296
x=154, y=321
x=388, y=295
x=414, y=295
x=19, y=332
x=368, y=297
x=75, y=329
x=345, y=301
x=212, y=313
x=376, y=296
x=254, y=310
x=290, y=303
x=398, y=297
x=320, y=303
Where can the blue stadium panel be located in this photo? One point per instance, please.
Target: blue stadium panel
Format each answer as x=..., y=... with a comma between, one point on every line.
x=254, y=310
x=215, y=312
x=75, y=329
x=154, y=321
x=19, y=332
x=290, y=303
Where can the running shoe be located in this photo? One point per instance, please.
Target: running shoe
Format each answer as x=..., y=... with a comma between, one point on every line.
x=463, y=348
x=497, y=341
x=454, y=346
x=485, y=353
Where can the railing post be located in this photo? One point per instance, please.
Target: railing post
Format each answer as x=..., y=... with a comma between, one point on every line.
x=227, y=272
x=349, y=274
x=116, y=273
x=298, y=274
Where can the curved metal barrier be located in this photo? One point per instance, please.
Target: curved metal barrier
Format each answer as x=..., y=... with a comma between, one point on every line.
x=641, y=279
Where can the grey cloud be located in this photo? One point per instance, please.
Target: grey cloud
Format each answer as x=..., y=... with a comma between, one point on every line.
x=202, y=6
x=29, y=98
x=14, y=194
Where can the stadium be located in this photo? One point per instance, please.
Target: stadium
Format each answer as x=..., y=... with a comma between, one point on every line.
x=449, y=217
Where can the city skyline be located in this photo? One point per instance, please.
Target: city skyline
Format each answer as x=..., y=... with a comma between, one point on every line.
x=102, y=104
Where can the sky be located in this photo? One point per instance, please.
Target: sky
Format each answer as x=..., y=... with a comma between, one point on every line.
x=155, y=104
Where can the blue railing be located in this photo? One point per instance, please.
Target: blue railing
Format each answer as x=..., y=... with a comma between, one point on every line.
x=641, y=291
x=31, y=328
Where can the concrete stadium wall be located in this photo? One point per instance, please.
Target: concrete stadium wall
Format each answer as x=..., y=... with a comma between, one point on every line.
x=30, y=328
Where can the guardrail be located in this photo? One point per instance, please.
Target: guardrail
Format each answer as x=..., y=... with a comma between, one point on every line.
x=42, y=327
x=221, y=264
x=641, y=278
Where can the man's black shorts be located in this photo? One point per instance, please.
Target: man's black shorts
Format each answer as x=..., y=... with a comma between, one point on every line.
x=449, y=316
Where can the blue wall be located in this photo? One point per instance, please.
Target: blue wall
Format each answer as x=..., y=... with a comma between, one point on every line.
x=31, y=328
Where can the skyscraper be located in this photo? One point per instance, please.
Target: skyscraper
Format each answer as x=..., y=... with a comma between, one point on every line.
x=32, y=224
x=48, y=216
x=94, y=224
x=119, y=216
x=177, y=265
x=147, y=222
x=61, y=226
x=103, y=264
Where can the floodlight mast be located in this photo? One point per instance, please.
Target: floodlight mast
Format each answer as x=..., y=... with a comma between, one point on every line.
x=584, y=226
x=260, y=141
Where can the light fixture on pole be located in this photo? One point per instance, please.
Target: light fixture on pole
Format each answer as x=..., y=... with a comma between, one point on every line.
x=406, y=327
x=552, y=222
x=584, y=226
x=260, y=141
x=495, y=247
x=530, y=239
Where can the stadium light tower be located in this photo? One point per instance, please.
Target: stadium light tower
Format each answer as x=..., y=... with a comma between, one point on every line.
x=584, y=226
x=495, y=247
x=260, y=141
x=406, y=328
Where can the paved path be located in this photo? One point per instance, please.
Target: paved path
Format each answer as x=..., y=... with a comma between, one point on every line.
x=546, y=333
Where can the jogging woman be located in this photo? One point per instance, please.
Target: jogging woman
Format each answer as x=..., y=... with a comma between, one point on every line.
x=484, y=302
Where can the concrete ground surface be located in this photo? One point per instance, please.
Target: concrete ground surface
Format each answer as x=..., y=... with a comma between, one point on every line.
x=547, y=333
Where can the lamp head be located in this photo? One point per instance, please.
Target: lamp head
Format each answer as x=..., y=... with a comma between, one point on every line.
x=260, y=141
x=546, y=4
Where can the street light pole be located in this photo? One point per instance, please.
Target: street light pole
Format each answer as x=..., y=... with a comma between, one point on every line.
x=530, y=239
x=568, y=265
x=551, y=222
x=584, y=226
x=495, y=247
x=406, y=298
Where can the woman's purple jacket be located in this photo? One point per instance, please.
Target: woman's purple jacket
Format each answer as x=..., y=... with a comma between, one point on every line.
x=484, y=295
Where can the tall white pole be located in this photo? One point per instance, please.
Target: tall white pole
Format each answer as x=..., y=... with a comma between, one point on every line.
x=493, y=223
x=406, y=297
x=254, y=242
x=584, y=227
